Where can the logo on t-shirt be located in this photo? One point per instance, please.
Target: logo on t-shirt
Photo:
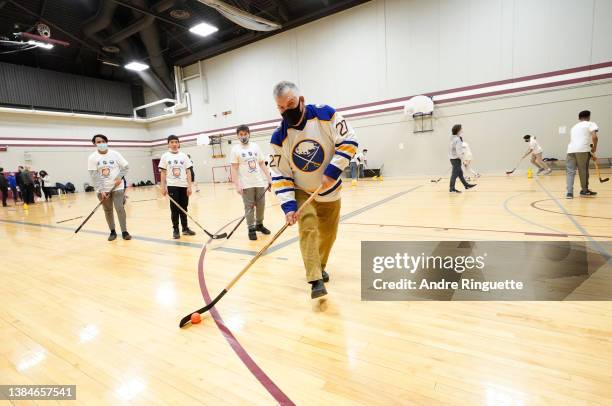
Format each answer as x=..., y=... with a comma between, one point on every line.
x=308, y=155
x=176, y=172
x=105, y=172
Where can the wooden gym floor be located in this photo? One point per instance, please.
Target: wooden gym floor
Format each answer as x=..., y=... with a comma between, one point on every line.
x=80, y=310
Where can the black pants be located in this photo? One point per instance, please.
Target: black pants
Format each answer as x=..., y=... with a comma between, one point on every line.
x=4, y=192
x=15, y=194
x=179, y=194
x=457, y=173
x=48, y=192
x=29, y=194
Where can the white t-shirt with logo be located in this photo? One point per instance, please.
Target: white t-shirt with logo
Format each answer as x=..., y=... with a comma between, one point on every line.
x=176, y=166
x=108, y=166
x=580, y=137
x=535, y=146
x=248, y=158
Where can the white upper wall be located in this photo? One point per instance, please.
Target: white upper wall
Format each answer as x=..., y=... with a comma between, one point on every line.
x=394, y=48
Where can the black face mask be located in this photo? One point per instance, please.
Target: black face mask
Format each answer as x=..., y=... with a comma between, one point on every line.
x=292, y=116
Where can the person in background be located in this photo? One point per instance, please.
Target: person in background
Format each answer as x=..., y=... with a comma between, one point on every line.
x=356, y=167
x=3, y=187
x=363, y=163
x=107, y=168
x=47, y=185
x=20, y=185
x=583, y=143
x=13, y=186
x=27, y=178
x=455, y=155
x=536, y=154
x=176, y=182
x=251, y=178
x=467, y=159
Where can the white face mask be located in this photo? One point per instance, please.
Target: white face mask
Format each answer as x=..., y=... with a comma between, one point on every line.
x=102, y=147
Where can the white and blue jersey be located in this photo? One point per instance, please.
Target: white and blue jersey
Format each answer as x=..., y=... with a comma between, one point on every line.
x=323, y=144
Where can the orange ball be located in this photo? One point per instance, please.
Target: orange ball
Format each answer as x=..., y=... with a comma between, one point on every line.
x=196, y=318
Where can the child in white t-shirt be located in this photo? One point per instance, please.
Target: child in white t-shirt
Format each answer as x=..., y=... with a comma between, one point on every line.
x=536, y=154
x=107, y=169
x=176, y=182
x=251, y=178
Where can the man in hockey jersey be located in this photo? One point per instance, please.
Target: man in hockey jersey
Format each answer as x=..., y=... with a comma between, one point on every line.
x=312, y=146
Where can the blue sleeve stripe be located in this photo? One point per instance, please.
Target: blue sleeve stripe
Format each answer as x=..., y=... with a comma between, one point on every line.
x=332, y=171
x=342, y=154
x=281, y=177
x=332, y=188
x=348, y=142
x=289, y=206
x=289, y=189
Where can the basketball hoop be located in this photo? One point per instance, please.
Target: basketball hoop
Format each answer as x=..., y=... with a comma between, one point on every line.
x=420, y=108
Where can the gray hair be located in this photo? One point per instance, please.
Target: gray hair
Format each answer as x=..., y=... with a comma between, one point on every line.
x=283, y=87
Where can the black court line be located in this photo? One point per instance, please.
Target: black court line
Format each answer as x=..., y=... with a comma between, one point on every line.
x=535, y=206
x=533, y=223
x=602, y=250
x=134, y=237
x=222, y=249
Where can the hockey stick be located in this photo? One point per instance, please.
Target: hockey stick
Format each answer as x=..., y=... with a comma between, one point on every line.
x=247, y=212
x=440, y=178
x=598, y=172
x=213, y=236
x=187, y=319
x=517, y=165
x=74, y=218
x=94, y=210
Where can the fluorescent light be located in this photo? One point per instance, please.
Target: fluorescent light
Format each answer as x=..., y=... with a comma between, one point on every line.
x=203, y=29
x=137, y=66
x=40, y=44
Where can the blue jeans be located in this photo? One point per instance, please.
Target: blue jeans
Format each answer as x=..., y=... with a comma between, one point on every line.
x=353, y=167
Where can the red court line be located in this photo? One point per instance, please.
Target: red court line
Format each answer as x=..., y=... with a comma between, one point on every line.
x=244, y=356
x=480, y=229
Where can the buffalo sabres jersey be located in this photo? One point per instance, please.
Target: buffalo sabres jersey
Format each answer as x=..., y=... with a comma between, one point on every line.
x=323, y=144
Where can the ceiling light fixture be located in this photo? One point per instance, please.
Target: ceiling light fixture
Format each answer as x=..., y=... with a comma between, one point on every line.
x=136, y=66
x=203, y=29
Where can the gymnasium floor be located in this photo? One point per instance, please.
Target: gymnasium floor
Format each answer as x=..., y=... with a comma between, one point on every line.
x=79, y=310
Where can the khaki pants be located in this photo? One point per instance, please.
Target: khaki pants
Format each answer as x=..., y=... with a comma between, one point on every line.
x=318, y=226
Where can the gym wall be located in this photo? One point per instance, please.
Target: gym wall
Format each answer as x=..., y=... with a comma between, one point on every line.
x=396, y=48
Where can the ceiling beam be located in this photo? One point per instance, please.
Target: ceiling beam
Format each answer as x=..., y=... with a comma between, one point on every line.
x=227, y=46
x=149, y=13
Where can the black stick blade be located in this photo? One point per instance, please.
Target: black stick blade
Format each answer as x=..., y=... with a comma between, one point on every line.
x=187, y=319
x=219, y=236
x=604, y=180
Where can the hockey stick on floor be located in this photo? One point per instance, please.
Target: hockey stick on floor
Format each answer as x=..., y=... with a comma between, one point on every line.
x=213, y=236
x=96, y=208
x=598, y=172
x=440, y=178
x=187, y=319
x=74, y=218
x=517, y=165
